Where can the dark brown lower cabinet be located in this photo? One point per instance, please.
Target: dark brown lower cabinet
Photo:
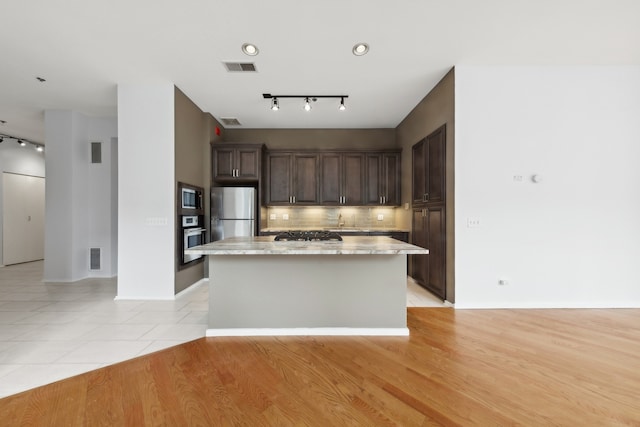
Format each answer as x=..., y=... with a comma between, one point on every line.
x=429, y=232
x=403, y=236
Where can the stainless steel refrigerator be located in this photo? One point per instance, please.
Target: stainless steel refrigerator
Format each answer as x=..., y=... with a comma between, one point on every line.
x=233, y=212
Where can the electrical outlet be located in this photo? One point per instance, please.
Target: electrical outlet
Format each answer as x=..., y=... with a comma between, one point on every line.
x=285, y=217
x=273, y=216
x=380, y=217
x=473, y=222
x=517, y=178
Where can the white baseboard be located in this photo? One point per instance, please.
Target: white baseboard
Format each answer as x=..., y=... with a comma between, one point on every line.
x=142, y=298
x=260, y=332
x=192, y=287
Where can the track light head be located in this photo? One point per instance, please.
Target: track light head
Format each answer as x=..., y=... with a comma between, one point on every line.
x=274, y=104
x=342, y=106
x=22, y=143
x=307, y=105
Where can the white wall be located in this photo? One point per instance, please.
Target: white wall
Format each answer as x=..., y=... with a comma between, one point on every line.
x=20, y=160
x=79, y=201
x=66, y=222
x=102, y=194
x=572, y=240
x=146, y=199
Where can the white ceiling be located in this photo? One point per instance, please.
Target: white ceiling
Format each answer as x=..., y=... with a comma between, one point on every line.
x=84, y=48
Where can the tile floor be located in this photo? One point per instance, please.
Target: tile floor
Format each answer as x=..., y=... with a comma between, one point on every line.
x=51, y=331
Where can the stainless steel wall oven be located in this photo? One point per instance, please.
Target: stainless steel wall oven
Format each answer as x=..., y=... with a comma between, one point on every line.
x=190, y=227
x=193, y=235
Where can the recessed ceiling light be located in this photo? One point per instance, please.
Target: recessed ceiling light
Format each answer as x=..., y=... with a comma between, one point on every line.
x=360, y=49
x=250, y=49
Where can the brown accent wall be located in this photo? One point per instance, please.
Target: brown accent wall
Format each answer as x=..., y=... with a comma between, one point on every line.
x=435, y=109
x=191, y=140
x=315, y=139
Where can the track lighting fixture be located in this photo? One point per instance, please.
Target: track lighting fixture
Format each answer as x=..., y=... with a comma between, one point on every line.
x=307, y=100
x=22, y=142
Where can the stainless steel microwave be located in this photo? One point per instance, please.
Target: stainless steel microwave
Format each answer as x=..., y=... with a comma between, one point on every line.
x=191, y=199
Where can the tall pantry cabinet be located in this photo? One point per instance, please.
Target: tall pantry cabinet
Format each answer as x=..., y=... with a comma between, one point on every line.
x=428, y=223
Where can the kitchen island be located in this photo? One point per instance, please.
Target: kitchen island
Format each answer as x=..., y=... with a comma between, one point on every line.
x=258, y=286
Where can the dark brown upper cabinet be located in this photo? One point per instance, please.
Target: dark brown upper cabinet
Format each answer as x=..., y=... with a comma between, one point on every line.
x=342, y=179
x=331, y=178
x=292, y=178
x=382, y=178
x=236, y=162
x=429, y=168
x=277, y=185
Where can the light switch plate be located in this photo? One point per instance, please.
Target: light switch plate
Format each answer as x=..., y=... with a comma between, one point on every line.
x=285, y=217
x=473, y=222
x=380, y=217
x=273, y=216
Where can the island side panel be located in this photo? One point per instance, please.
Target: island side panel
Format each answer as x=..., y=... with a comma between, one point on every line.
x=307, y=291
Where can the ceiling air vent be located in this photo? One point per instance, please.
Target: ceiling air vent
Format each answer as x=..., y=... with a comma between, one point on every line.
x=240, y=66
x=230, y=121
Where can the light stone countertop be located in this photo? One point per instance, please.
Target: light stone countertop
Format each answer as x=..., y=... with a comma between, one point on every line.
x=265, y=245
x=336, y=229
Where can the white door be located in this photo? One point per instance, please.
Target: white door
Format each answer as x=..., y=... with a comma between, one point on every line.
x=22, y=218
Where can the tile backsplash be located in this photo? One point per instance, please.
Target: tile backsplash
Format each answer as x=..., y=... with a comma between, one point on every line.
x=323, y=217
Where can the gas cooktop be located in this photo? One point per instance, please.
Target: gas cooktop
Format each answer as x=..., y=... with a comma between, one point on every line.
x=307, y=235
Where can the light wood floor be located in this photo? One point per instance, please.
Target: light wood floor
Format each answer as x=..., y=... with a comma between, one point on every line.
x=458, y=367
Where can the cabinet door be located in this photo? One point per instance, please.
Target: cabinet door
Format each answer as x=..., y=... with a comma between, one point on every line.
x=279, y=174
x=435, y=161
x=305, y=178
x=398, y=235
x=382, y=179
x=436, y=239
x=429, y=232
x=373, y=190
x=353, y=179
x=248, y=163
x=330, y=179
x=419, y=178
x=223, y=163
x=390, y=179
x=418, y=238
